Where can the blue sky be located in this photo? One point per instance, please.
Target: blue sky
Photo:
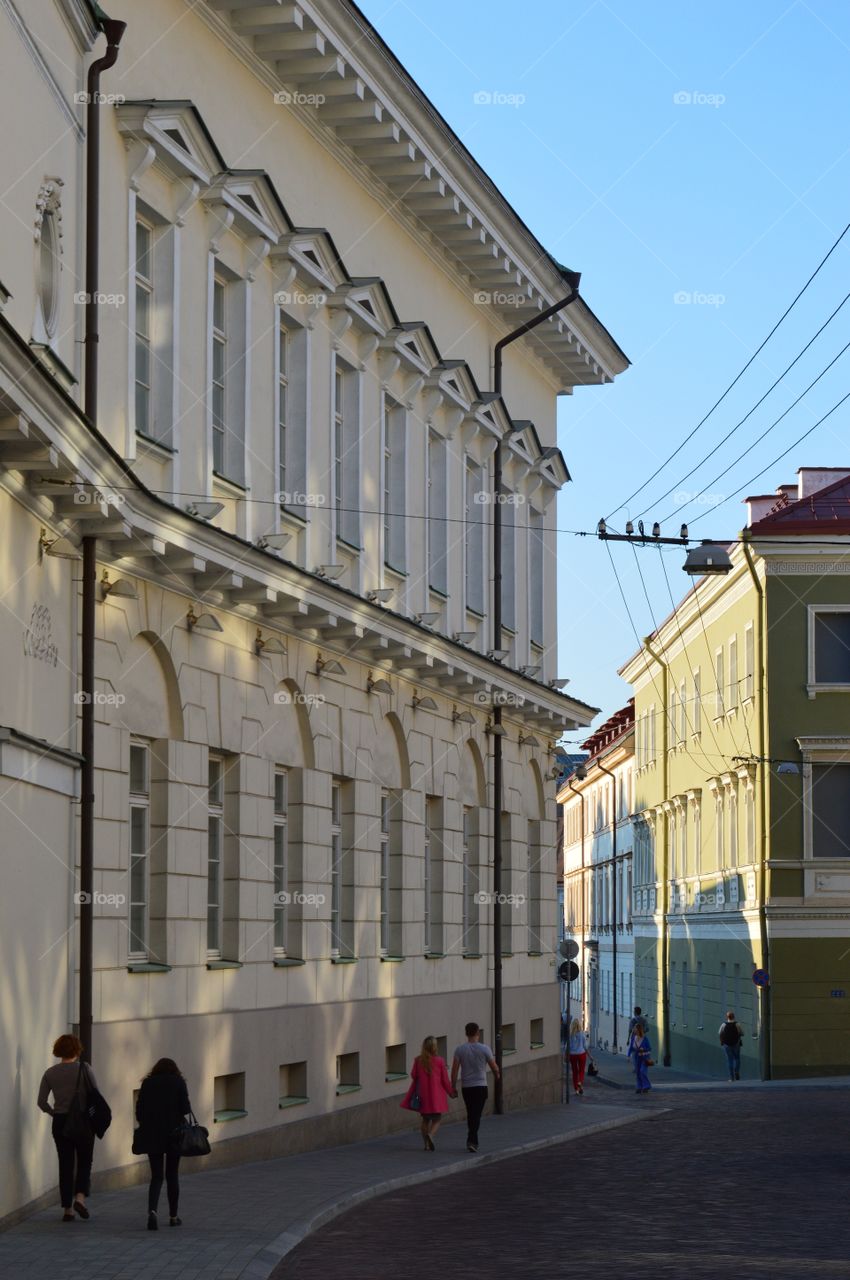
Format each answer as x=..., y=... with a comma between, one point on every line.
x=729, y=198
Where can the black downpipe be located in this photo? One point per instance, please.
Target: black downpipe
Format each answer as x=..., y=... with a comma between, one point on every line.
x=614, y=896
x=113, y=31
x=573, y=277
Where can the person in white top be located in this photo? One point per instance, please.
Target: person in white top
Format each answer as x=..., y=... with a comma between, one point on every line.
x=471, y=1060
x=577, y=1052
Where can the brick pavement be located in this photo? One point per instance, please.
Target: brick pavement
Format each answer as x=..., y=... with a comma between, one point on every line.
x=239, y=1222
x=742, y=1183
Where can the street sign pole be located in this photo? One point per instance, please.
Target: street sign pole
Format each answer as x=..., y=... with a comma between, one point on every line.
x=568, y=971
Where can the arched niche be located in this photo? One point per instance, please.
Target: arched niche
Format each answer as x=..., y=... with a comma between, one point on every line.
x=147, y=681
x=472, y=779
x=390, y=759
x=533, y=793
x=290, y=739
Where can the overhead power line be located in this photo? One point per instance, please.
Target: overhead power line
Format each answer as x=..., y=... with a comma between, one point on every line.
x=735, y=380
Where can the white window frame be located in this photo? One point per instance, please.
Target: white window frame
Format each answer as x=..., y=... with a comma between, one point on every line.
x=719, y=677
x=819, y=752
x=683, y=712
x=139, y=801
x=734, y=695
x=282, y=895
x=336, y=870
x=215, y=821
x=814, y=687
x=697, y=725
x=749, y=662
x=218, y=345
x=394, y=486
x=384, y=875
x=436, y=498
x=283, y=403
x=427, y=869
x=144, y=284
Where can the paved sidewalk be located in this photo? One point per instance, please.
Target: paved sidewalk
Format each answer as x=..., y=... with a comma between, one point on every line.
x=240, y=1222
x=615, y=1071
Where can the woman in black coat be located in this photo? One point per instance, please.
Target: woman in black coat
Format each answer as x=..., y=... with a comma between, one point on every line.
x=162, y=1105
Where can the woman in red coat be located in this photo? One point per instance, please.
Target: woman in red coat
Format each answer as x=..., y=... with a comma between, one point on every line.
x=429, y=1092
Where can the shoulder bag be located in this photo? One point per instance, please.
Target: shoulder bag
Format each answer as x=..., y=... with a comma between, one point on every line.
x=191, y=1138
x=77, y=1127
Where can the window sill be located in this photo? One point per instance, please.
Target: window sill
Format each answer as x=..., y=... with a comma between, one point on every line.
x=534, y=953
x=399, y=573
x=343, y=959
x=287, y=962
x=283, y=1103
x=506, y=1053
x=342, y=1089
x=392, y=959
x=156, y=446
x=438, y=591
x=222, y=1117
x=224, y=964
x=392, y=1076
x=435, y=955
x=147, y=966
x=814, y=689
x=472, y=955
x=536, y=1044
x=293, y=514
x=238, y=488
x=349, y=546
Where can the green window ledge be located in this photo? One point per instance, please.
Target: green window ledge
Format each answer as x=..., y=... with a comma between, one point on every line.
x=506, y=1053
x=224, y=964
x=537, y=1044
x=392, y=959
x=343, y=959
x=147, y=966
x=347, y=1088
x=395, y=1075
x=290, y=1101
x=435, y=955
x=472, y=955
x=534, y=953
x=287, y=962
x=221, y=1117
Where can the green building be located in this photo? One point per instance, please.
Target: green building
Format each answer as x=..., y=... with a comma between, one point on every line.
x=742, y=796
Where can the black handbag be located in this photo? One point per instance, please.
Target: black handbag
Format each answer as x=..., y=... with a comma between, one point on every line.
x=140, y=1144
x=191, y=1138
x=77, y=1127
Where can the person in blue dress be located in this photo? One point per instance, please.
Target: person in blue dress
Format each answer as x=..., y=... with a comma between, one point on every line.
x=641, y=1051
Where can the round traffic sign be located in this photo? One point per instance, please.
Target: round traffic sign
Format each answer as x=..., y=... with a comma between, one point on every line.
x=569, y=948
x=568, y=971
x=761, y=977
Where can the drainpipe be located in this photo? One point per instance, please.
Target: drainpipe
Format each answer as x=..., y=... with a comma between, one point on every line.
x=580, y=795
x=113, y=31
x=573, y=278
x=665, y=862
x=613, y=778
x=763, y=768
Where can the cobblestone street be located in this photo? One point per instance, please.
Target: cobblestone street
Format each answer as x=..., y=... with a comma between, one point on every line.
x=749, y=1184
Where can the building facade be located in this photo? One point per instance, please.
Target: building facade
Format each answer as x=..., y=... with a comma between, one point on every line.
x=742, y=760
x=302, y=278
x=596, y=801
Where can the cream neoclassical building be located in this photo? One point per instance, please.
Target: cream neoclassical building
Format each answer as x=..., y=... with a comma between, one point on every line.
x=303, y=275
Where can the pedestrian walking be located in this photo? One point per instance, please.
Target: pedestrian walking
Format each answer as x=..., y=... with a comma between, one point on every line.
x=471, y=1060
x=577, y=1054
x=731, y=1038
x=636, y=1017
x=641, y=1050
x=71, y=1082
x=161, y=1108
x=430, y=1090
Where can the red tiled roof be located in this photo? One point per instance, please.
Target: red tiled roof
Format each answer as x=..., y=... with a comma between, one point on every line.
x=613, y=728
x=826, y=511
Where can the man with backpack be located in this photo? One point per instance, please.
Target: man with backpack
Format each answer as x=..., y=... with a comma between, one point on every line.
x=731, y=1038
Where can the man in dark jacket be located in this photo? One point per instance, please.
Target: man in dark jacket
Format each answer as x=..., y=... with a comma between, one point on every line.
x=731, y=1038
